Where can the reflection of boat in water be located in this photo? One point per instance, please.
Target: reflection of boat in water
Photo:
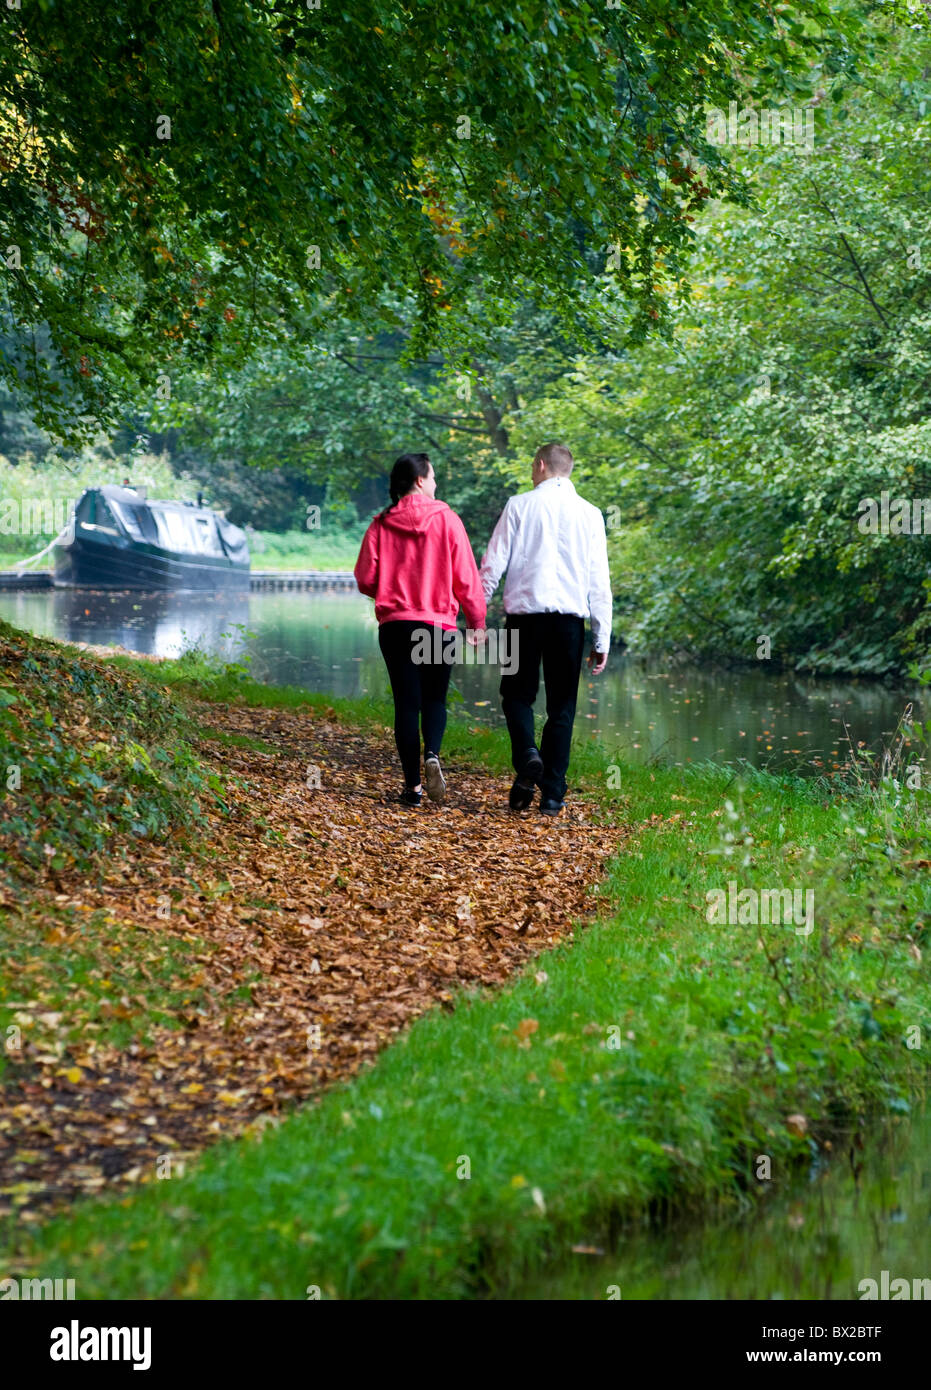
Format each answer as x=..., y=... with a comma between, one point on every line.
x=162, y=623
x=118, y=539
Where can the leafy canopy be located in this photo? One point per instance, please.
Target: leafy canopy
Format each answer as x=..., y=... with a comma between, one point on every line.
x=181, y=183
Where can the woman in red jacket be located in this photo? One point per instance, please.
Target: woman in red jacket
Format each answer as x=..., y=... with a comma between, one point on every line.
x=418, y=566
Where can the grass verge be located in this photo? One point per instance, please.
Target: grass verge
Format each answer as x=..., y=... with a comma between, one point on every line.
x=644, y=1067
x=325, y=549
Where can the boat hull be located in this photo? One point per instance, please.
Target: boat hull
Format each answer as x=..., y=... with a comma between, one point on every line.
x=87, y=563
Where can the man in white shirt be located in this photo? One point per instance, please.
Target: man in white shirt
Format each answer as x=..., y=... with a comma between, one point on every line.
x=553, y=545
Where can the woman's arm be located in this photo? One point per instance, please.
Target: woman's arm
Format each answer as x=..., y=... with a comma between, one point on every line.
x=366, y=570
x=467, y=586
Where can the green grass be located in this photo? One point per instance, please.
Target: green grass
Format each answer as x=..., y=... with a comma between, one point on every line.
x=11, y=554
x=254, y=745
x=323, y=549
x=69, y=976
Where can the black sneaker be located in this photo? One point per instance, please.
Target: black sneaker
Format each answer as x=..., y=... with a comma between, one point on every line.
x=410, y=798
x=525, y=782
x=551, y=808
x=433, y=779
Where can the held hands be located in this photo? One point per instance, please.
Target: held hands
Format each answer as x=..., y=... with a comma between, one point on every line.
x=597, y=661
x=477, y=637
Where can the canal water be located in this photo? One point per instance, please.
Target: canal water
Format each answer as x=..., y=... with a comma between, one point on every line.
x=641, y=710
x=817, y=1237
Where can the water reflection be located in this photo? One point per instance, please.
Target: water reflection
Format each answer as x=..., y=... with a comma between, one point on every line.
x=154, y=624
x=641, y=710
x=846, y=1221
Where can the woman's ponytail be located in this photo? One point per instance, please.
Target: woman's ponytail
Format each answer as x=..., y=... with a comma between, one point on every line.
x=407, y=469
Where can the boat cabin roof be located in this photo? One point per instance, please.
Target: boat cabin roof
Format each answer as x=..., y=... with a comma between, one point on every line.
x=129, y=495
x=178, y=527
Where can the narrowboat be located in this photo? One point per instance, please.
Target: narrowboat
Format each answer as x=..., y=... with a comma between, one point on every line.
x=117, y=538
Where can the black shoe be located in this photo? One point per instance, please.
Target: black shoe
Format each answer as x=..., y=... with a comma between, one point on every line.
x=551, y=808
x=410, y=798
x=525, y=782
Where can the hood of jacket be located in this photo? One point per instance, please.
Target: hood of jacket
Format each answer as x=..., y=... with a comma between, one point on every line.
x=413, y=514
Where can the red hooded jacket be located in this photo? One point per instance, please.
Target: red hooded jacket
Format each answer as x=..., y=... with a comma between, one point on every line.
x=417, y=564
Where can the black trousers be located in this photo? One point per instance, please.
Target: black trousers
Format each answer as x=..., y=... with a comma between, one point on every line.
x=556, y=640
x=418, y=688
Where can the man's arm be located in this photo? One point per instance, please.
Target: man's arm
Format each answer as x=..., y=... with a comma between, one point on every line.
x=599, y=591
x=498, y=555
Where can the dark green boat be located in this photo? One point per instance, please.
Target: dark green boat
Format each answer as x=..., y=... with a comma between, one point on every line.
x=119, y=539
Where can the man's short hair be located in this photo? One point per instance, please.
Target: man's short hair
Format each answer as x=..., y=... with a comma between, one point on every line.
x=556, y=459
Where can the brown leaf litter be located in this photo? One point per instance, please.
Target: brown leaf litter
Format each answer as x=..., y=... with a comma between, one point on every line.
x=332, y=916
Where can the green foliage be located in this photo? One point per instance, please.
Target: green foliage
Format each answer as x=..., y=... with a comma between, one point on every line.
x=736, y=457
x=168, y=171
x=91, y=758
x=323, y=425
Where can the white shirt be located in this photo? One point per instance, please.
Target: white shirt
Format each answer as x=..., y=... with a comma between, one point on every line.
x=553, y=545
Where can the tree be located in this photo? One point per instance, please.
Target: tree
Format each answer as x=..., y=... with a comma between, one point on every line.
x=183, y=183
x=337, y=414
x=738, y=456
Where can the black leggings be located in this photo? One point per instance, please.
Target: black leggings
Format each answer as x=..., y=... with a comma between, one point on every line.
x=418, y=687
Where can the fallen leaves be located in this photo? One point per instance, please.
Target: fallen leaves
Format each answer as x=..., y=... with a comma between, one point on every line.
x=323, y=921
